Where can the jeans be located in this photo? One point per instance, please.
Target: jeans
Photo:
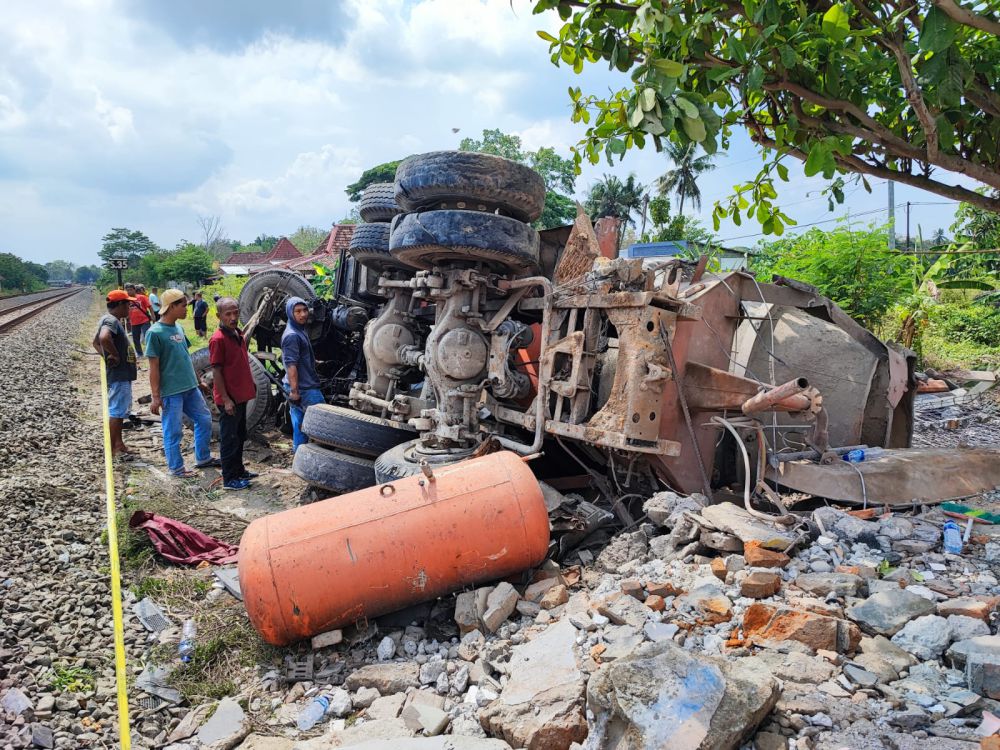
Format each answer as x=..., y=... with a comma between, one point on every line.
x=192, y=404
x=119, y=399
x=297, y=411
x=139, y=337
x=232, y=435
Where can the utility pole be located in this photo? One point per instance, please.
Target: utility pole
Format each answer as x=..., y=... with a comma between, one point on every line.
x=907, y=226
x=892, y=215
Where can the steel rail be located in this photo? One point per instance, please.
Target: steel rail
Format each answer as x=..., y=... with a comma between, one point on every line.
x=36, y=306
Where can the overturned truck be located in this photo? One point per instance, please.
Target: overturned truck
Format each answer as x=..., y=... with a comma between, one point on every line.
x=607, y=374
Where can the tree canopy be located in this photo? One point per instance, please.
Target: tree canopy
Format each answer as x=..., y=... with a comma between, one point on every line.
x=126, y=243
x=895, y=89
x=558, y=173
x=612, y=196
x=682, y=178
x=19, y=274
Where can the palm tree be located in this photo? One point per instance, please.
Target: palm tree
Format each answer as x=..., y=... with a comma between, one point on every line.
x=612, y=197
x=683, y=178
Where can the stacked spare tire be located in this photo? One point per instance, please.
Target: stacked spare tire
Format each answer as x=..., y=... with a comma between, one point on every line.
x=444, y=236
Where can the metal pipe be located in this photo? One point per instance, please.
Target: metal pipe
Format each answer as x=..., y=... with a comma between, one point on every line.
x=774, y=459
x=766, y=400
x=542, y=397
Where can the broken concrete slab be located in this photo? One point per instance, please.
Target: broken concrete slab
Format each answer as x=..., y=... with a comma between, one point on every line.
x=386, y=706
x=760, y=585
x=665, y=697
x=768, y=625
x=925, y=637
x=428, y=720
x=500, y=604
x=958, y=653
x=227, y=726
x=735, y=520
x=824, y=584
x=622, y=609
x=965, y=607
x=707, y=602
x=963, y=628
x=393, y=677
x=886, y=612
x=327, y=639
x=541, y=706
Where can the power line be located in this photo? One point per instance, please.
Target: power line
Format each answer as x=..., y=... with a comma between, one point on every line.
x=813, y=224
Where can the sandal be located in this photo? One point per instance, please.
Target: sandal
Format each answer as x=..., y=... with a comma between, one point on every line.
x=187, y=474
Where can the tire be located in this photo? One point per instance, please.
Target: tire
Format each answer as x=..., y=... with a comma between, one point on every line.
x=352, y=431
x=288, y=284
x=433, y=237
x=257, y=408
x=404, y=461
x=370, y=247
x=378, y=202
x=483, y=182
x=331, y=470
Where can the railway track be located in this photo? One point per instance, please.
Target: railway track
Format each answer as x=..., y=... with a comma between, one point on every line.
x=16, y=310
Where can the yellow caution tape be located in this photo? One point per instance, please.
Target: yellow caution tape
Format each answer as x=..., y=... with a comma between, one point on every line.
x=124, y=731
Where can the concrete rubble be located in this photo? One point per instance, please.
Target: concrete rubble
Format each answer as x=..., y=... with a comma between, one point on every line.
x=858, y=633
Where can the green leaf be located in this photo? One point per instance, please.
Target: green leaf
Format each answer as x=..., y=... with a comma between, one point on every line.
x=694, y=128
x=782, y=171
x=816, y=159
x=739, y=52
x=938, y=31
x=653, y=126
x=788, y=56
x=635, y=119
x=689, y=109
x=546, y=36
x=756, y=78
x=836, y=23
x=669, y=68
x=616, y=146
x=647, y=99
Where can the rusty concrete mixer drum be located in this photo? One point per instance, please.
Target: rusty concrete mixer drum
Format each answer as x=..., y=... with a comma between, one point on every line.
x=350, y=558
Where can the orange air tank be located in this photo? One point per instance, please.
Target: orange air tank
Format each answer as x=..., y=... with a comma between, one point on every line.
x=339, y=561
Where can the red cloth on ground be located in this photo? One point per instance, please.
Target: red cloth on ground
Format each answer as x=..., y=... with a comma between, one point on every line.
x=182, y=544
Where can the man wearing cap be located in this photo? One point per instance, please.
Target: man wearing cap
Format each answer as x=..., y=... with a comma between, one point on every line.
x=111, y=342
x=139, y=316
x=175, y=387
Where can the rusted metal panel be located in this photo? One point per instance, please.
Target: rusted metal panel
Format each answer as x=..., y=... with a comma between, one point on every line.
x=897, y=477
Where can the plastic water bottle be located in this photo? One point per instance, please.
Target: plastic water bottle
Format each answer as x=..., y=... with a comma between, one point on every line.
x=855, y=456
x=186, y=647
x=313, y=712
x=952, y=538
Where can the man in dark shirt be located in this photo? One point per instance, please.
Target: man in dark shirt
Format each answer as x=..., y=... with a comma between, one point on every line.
x=233, y=388
x=200, y=313
x=301, y=380
x=111, y=342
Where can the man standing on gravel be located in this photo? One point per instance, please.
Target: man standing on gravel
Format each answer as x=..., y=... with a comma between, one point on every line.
x=174, y=386
x=300, y=368
x=233, y=388
x=111, y=342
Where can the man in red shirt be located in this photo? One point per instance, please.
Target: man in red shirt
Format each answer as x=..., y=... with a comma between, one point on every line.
x=140, y=315
x=233, y=388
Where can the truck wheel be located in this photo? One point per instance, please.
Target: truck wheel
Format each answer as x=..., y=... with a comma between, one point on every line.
x=331, y=470
x=285, y=284
x=256, y=409
x=370, y=247
x=404, y=461
x=482, y=182
x=433, y=237
x=352, y=431
x=378, y=202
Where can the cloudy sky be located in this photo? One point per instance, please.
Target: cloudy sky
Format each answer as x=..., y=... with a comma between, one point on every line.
x=148, y=114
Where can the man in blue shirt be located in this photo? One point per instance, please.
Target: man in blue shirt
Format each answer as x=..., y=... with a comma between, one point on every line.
x=200, y=313
x=301, y=380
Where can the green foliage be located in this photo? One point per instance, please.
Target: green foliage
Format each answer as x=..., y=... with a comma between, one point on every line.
x=60, y=270
x=853, y=268
x=379, y=173
x=190, y=263
x=610, y=196
x=891, y=90
x=324, y=282
x=126, y=243
x=72, y=679
x=558, y=173
x=87, y=274
x=16, y=274
x=977, y=324
x=307, y=239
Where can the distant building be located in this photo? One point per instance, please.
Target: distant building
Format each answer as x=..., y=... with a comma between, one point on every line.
x=242, y=264
x=326, y=252
x=730, y=258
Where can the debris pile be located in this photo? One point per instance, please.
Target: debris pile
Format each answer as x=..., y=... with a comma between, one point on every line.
x=704, y=627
